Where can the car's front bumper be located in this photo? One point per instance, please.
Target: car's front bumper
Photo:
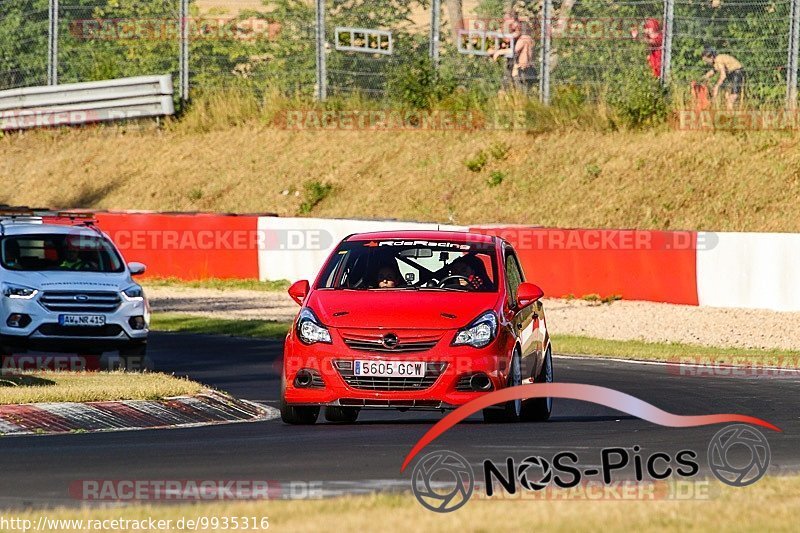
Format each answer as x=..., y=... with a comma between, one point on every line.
x=43, y=332
x=336, y=390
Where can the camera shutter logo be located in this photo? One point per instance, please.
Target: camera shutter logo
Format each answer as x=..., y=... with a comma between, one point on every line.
x=526, y=473
x=442, y=481
x=728, y=469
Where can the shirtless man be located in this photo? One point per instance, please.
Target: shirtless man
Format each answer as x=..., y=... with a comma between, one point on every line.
x=731, y=75
x=520, y=61
x=524, y=71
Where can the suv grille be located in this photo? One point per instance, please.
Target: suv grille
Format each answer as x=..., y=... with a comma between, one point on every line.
x=432, y=373
x=80, y=301
x=56, y=330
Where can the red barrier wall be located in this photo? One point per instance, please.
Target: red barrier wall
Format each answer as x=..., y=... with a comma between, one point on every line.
x=186, y=246
x=658, y=266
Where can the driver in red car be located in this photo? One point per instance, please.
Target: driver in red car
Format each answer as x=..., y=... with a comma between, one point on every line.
x=468, y=269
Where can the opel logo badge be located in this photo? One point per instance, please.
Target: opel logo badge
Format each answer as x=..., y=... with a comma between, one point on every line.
x=390, y=340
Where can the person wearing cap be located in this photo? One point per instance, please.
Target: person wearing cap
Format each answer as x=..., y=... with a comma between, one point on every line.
x=655, y=44
x=731, y=75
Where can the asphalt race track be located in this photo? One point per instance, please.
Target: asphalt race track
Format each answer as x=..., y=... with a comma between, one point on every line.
x=37, y=470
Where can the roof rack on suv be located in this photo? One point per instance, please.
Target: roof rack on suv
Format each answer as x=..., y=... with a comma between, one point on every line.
x=23, y=214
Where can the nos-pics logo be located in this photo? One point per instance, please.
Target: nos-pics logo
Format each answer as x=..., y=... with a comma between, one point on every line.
x=443, y=481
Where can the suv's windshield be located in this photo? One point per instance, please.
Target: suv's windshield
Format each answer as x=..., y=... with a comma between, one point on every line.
x=411, y=264
x=59, y=252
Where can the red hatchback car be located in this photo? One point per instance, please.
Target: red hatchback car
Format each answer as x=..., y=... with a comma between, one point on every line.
x=415, y=320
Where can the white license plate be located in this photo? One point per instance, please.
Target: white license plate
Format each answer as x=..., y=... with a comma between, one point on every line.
x=389, y=369
x=82, y=320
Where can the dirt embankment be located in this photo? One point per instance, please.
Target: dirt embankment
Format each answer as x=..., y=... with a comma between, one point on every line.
x=647, y=180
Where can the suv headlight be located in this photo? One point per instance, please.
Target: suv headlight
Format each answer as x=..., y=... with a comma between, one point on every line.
x=134, y=293
x=19, y=291
x=479, y=333
x=309, y=330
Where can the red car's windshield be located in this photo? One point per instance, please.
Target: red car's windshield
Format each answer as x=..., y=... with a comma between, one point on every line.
x=411, y=264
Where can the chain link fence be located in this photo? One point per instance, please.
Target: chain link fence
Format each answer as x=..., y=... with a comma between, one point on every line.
x=24, y=26
x=756, y=32
x=335, y=47
x=102, y=39
x=597, y=45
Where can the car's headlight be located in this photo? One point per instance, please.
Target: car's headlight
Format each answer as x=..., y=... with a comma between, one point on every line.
x=479, y=333
x=134, y=293
x=19, y=291
x=309, y=330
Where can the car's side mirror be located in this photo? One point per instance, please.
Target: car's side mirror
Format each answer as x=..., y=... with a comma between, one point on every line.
x=527, y=294
x=299, y=290
x=136, y=268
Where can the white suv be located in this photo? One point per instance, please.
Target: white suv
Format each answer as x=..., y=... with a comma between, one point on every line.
x=65, y=288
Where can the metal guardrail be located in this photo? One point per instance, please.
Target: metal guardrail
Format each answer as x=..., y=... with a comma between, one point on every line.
x=82, y=103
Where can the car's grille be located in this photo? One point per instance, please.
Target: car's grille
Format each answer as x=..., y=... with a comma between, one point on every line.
x=376, y=345
x=80, y=301
x=432, y=373
x=394, y=404
x=57, y=330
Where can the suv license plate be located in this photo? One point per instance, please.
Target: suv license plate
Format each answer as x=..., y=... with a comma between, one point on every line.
x=82, y=320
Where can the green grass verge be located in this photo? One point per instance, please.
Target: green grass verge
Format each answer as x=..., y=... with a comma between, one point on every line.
x=656, y=351
x=772, y=504
x=562, y=344
x=187, y=323
x=54, y=386
x=220, y=284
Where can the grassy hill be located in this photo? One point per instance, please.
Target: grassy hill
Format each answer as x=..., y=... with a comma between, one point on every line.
x=653, y=179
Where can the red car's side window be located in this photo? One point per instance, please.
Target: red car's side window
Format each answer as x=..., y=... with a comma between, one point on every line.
x=513, y=277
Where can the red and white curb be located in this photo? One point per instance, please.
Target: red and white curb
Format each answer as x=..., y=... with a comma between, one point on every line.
x=207, y=408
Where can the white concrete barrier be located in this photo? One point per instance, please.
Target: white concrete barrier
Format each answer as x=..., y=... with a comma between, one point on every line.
x=750, y=270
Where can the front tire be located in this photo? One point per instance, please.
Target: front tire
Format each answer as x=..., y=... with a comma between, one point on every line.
x=509, y=411
x=345, y=415
x=133, y=357
x=540, y=409
x=299, y=415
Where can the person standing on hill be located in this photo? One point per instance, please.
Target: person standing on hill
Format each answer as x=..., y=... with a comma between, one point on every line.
x=655, y=44
x=523, y=71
